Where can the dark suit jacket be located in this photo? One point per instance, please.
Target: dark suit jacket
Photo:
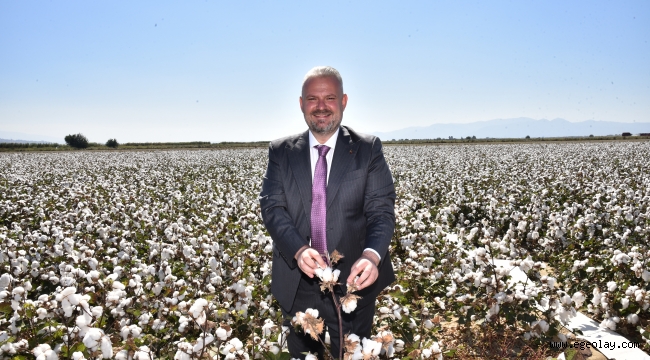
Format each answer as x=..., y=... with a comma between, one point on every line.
x=360, y=208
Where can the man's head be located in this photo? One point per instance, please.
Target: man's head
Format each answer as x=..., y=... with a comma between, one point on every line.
x=323, y=101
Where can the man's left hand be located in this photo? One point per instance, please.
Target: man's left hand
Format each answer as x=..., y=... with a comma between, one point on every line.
x=366, y=269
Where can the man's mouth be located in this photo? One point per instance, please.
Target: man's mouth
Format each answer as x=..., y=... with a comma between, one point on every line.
x=321, y=114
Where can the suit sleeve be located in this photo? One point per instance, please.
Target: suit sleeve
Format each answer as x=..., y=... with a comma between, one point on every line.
x=379, y=204
x=273, y=204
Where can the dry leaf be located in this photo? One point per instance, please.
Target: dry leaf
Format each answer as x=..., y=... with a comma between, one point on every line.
x=386, y=339
x=415, y=354
x=209, y=325
x=335, y=257
x=328, y=285
x=352, y=287
x=312, y=325
x=350, y=345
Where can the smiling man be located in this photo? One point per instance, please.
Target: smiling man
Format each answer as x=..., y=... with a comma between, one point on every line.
x=328, y=188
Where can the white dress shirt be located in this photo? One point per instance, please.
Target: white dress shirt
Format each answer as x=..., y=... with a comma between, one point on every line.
x=313, y=152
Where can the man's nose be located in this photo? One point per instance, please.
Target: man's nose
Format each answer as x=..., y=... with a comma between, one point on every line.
x=321, y=104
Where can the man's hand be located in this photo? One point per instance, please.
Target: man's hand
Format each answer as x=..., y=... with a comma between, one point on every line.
x=309, y=260
x=366, y=269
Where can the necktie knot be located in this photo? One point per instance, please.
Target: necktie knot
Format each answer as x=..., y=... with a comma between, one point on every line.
x=322, y=149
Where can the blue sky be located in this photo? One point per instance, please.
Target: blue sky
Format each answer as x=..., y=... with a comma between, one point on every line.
x=232, y=71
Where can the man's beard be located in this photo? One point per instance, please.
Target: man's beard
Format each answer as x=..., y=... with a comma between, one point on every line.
x=329, y=128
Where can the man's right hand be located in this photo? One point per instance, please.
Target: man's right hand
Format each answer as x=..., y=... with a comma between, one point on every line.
x=309, y=260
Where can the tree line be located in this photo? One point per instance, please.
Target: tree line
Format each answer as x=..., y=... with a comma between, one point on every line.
x=79, y=141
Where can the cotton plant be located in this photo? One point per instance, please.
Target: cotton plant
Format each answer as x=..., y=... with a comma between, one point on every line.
x=141, y=236
x=352, y=347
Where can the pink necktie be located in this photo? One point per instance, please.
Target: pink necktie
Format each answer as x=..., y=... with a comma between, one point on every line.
x=319, y=203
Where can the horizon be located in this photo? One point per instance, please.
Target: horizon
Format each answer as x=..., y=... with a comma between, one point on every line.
x=162, y=71
x=7, y=135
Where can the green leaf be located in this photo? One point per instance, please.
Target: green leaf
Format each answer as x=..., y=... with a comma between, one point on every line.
x=78, y=347
x=450, y=352
x=570, y=354
x=526, y=317
x=5, y=307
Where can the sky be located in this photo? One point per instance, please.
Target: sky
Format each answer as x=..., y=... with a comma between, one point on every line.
x=159, y=71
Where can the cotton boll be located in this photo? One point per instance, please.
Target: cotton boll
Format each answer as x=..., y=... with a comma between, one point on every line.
x=5, y=280
x=268, y=327
x=542, y=325
x=566, y=300
x=608, y=324
x=40, y=350
x=625, y=302
x=42, y=313
x=144, y=319
x=371, y=347
x=578, y=298
x=335, y=275
x=646, y=275
x=611, y=286
x=158, y=325
x=143, y=353
x=632, y=319
x=597, y=296
x=436, y=351
x=312, y=312
x=202, y=343
x=348, y=304
x=83, y=320
x=197, y=311
x=326, y=274
x=92, y=338
x=222, y=333
x=426, y=353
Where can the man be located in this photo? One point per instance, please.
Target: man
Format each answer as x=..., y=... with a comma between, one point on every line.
x=337, y=196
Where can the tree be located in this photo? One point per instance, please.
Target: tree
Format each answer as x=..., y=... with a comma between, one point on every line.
x=527, y=136
x=77, y=141
x=112, y=143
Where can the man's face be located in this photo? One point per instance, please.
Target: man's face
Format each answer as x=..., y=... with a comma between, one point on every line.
x=322, y=103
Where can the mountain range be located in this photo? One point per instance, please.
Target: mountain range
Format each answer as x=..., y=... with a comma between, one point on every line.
x=22, y=138
x=23, y=141
x=516, y=128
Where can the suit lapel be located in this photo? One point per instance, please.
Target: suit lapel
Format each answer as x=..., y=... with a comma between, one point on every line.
x=300, y=163
x=344, y=153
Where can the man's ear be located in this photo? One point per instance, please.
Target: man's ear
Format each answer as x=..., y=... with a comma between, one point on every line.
x=344, y=101
x=300, y=101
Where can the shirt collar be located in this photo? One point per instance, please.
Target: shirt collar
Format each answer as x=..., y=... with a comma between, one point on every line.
x=331, y=143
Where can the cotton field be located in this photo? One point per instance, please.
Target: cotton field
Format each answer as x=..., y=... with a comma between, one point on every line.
x=162, y=254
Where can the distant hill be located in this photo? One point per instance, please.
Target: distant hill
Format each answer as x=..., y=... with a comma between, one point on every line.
x=516, y=128
x=23, y=141
x=19, y=137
